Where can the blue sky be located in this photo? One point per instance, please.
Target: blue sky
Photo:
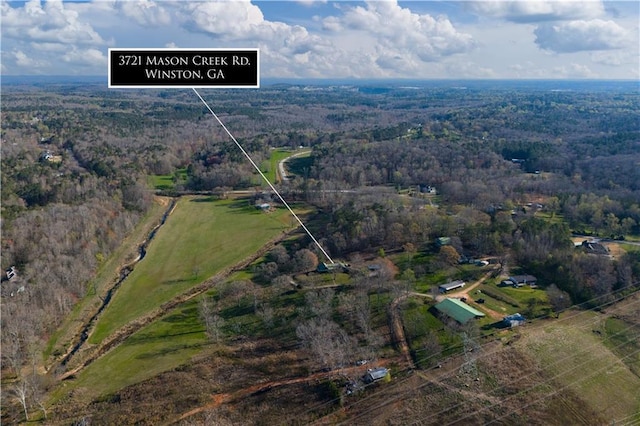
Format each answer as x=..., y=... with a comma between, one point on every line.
x=324, y=39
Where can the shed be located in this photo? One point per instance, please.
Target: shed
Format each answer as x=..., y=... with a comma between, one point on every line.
x=458, y=310
x=375, y=374
x=513, y=320
x=451, y=286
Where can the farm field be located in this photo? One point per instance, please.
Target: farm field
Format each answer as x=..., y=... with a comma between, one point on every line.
x=200, y=238
x=577, y=356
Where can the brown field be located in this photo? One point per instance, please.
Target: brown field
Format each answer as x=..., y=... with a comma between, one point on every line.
x=554, y=372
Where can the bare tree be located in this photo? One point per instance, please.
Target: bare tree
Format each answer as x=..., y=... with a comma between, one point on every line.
x=559, y=300
x=212, y=321
x=20, y=390
x=320, y=302
x=266, y=313
x=328, y=343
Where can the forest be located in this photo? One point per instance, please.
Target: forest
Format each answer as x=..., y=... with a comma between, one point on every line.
x=516, y=173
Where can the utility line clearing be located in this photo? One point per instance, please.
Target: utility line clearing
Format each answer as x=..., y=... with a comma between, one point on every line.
x=255, y=166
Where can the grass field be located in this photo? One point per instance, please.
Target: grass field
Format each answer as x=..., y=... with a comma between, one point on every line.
x=167, y=182
x=200, y=238
x=160, y=346
x=575, y=357
x=270, y=167
x=105, y=277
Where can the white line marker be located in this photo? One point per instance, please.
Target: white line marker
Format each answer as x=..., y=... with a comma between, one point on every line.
x=255, y=166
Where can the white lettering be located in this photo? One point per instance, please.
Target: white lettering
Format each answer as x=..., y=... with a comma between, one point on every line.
x=241, y=60
x=215, y=74
x=212, y=61
x=167, y=60
x=157, y=74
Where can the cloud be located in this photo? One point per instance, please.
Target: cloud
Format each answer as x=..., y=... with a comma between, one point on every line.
x=576, y=36
x=51, y=23
x=609, y=58
x=311, y=2
x=85, y=58
x=145, y=12
x=23, y=60
x=237, y=19
x=538, y=11
x=574, y=71
x=403, y=31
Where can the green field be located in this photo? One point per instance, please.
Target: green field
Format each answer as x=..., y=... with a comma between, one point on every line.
x=200, y=238
x=158, y=347
x=104, y=279
x=168, y=182
x=270, y=167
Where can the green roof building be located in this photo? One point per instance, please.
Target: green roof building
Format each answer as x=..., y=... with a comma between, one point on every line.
x=458, y=310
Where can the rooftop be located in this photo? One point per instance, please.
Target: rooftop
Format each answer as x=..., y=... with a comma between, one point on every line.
x=458, y=310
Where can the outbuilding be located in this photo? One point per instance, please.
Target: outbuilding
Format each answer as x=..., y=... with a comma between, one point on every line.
x=513, y=320
x=375, y=374
x=458, y=310
x=451, y=286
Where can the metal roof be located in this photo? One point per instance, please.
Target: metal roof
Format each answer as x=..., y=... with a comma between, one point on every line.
x=452, y=285
x=458, y=310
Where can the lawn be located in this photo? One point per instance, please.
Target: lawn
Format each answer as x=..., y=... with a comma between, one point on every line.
x=199, y=239
x=270, y=167
x=523, y=294
x=158, y=347
x=167, y=182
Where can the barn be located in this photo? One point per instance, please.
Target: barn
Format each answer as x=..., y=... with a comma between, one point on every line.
x=458, y=310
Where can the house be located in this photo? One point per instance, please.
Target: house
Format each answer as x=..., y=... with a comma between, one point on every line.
x=443, y=241
x=594, y=247
x=375, y=374
x=330, y=267
x=451, y=286
x=263, y=206
x=518, y=281
x=513, y=320
x=458, y=310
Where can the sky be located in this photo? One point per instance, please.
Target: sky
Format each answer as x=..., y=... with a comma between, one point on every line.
x=523, y=39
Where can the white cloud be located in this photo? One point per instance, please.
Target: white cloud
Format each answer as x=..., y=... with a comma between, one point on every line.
x=85, y=58
x=539, y=11
x=51, y=23
x=311, y=2
x=576, y=36
x=23, y=60
x=375, y=39
x=220, y=18
x=574, y=71
x=145, y=12
x=403, y=31
x=609, y=58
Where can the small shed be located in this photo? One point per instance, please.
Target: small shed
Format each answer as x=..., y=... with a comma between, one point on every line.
x=458, y=310
x=514, y=320
x=375, y=374
x=451, y=286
